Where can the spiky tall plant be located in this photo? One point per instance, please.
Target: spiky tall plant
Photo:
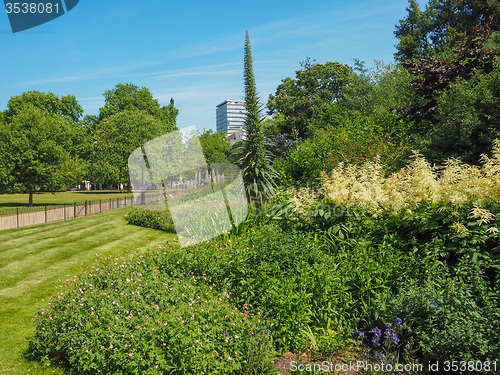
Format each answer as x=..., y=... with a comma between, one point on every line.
x=257, y=173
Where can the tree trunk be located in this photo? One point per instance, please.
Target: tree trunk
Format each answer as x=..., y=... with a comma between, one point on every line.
x=31, y=198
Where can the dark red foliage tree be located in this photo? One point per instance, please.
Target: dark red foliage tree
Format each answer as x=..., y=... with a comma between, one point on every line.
x=469, y=56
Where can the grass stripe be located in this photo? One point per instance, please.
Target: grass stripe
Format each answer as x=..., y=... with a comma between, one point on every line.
x=32, y=260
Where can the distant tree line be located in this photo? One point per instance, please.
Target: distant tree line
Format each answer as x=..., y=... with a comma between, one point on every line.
x=47, y=145
x=441, y=98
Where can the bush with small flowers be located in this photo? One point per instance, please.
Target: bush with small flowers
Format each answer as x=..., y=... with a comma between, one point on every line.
x=151, y=219
x=138, y=316
x=389, y=348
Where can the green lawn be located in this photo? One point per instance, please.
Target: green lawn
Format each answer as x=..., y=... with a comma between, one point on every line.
x=34, y=259
x=41, y=199
x=10, y=202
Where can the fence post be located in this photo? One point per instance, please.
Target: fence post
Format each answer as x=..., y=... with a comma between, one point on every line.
x=100, y=205
x=45, y=213
x=85, y=208
x=17, y=217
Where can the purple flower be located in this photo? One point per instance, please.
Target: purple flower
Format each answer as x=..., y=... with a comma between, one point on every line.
x=376, y=337
x=398, y=322
x=395, y=339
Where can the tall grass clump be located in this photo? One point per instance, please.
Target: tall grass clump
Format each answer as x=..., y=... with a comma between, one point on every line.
x=311, y=294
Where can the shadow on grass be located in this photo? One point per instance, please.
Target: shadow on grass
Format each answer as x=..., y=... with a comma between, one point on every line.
x=93, y=192
x=17, y=204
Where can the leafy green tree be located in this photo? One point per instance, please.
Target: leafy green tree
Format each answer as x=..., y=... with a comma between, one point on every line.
x=468, y=120
x=354, y=139
x=382, y=89
x=216, y=146
x=38, y=152
x=128, y=97
x=168, y=115
x=4, y=152
x=305, y=98
x=66, y=106
x=412, y=33
x=468, y=56
x=257, y=174
x=424, y=32
x=115, y=138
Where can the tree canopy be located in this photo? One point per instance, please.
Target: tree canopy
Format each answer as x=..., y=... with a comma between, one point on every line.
x=66, y=106
x=216, y=146
x=115, y=138
x=38, y=152
x=424, y=32
x=129, y=97
x=307, y=97
x=467, y=56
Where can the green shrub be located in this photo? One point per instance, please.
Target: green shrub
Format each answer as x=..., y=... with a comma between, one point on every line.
x=151, y=219
x=388, y=346
x=449, y=235
x=139, y=316
x=312, y=291
x=456, y=318
x=354, y=140
x=275, y=272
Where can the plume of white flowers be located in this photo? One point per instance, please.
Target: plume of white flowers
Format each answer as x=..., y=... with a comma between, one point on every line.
x=365, y=185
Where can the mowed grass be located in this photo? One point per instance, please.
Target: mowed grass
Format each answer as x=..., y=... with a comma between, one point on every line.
x=9, y=203
x=68, y=197
x=35, y=260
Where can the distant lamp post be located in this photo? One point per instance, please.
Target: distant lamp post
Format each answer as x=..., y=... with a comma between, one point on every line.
x=143, y=189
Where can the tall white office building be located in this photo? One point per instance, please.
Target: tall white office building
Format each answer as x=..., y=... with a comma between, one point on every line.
x=230, y=116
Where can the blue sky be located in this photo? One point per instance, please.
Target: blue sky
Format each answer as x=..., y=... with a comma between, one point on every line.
x=191, y=51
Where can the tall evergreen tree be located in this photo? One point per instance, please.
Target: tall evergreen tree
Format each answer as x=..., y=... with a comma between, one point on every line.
x=257, y=173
